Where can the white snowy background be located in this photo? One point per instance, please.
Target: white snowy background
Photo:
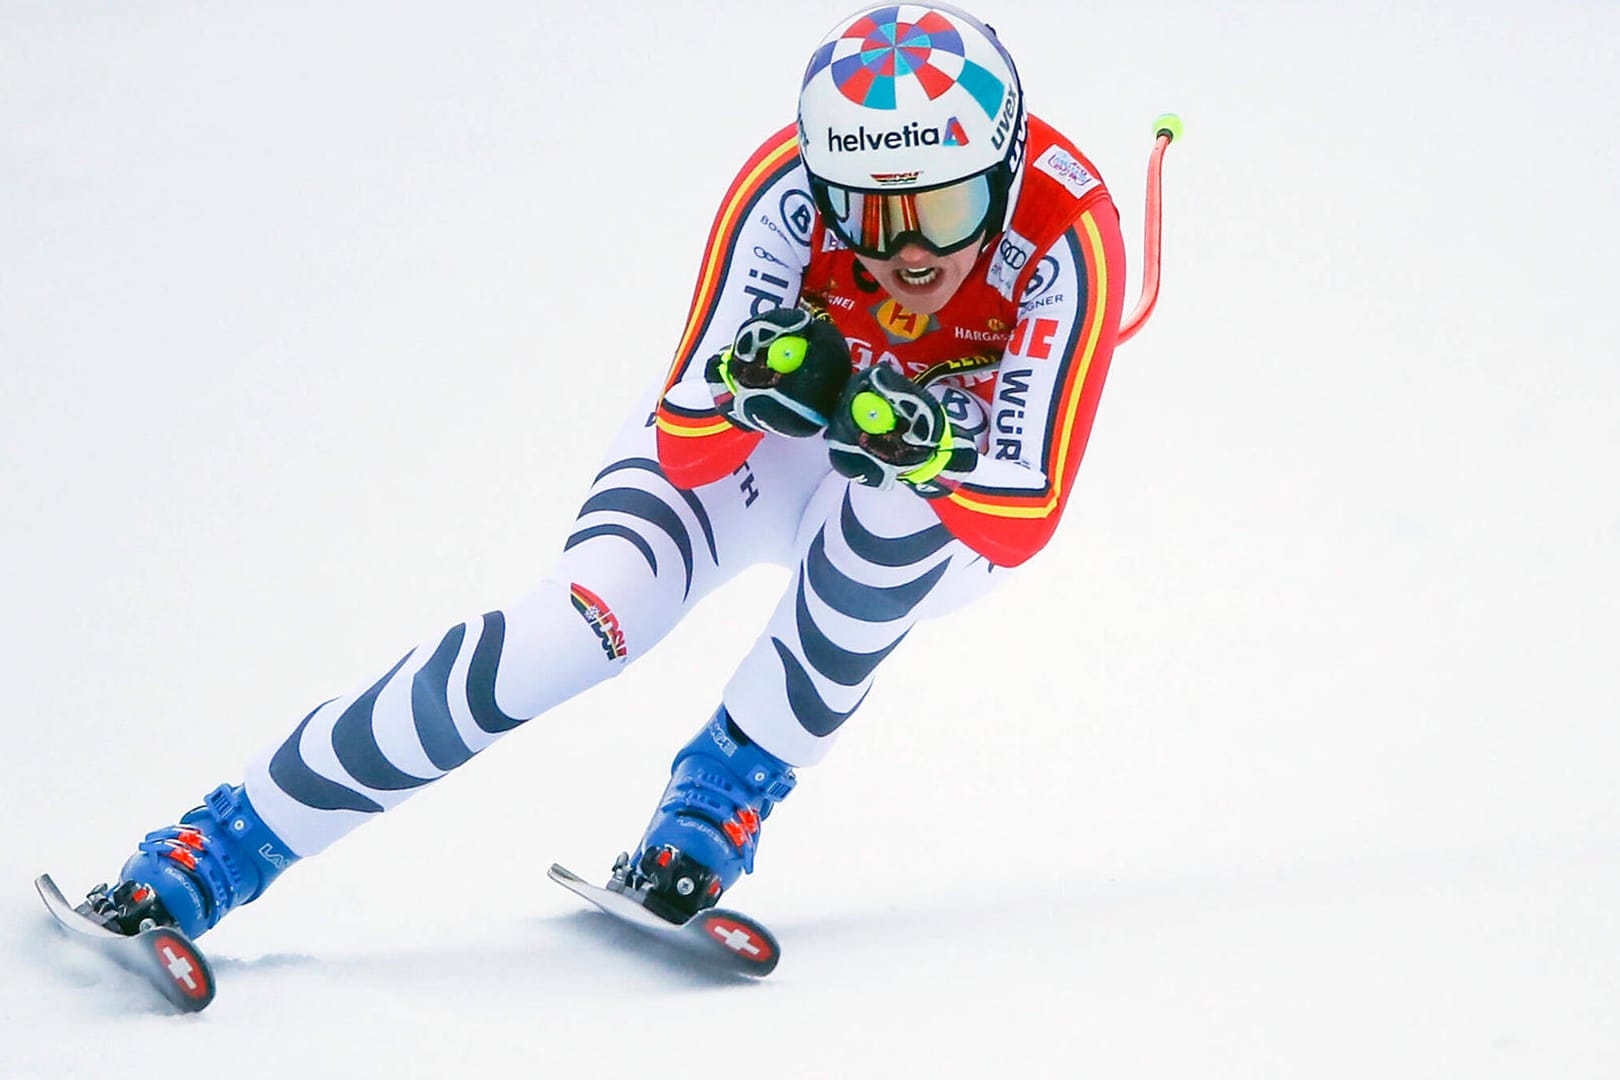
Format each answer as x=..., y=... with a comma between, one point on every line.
x=315, y=319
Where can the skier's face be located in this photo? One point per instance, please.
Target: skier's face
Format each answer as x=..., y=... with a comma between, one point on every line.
x=922, y=281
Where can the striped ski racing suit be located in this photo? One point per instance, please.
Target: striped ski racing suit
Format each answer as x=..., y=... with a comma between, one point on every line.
x=686, y=501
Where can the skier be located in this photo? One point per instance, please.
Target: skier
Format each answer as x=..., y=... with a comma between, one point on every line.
x=900, y=330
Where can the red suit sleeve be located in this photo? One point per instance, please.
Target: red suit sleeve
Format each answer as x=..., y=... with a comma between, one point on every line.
x=697, y=445
x=1048, y=385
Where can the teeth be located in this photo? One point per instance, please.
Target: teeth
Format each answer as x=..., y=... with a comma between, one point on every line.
x=919, y=277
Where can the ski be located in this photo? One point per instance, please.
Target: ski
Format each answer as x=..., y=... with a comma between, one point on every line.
x=162, y=956
x=726, y=939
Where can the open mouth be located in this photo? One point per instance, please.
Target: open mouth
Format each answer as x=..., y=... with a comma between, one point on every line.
x=919, y=278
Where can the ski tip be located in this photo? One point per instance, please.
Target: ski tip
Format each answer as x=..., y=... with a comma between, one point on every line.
x=48, y=892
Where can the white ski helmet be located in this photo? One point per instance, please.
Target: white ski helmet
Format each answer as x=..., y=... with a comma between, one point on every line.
x=912, y=127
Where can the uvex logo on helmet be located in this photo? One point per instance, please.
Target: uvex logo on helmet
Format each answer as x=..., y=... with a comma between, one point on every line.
x=1004, y=124
x=913, y=134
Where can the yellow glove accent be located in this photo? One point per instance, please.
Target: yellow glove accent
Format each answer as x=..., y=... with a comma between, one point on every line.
x=725, y=372
x=934, y=465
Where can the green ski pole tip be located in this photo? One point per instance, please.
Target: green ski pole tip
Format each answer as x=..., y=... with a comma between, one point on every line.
x=1168, y=124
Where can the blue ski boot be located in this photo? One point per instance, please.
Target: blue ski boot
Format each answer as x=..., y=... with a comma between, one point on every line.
x=704, y=833
x=219, y=857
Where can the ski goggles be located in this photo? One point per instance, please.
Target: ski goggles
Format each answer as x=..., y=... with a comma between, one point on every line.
x=942, y=219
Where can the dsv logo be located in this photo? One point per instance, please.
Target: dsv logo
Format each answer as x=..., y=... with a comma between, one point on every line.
x=1042, y=280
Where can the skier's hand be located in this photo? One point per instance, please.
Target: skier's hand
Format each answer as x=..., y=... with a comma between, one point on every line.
x=783, y=373
x=886, y=428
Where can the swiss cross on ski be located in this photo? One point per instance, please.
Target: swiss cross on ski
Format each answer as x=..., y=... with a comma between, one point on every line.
x=181, y=964
x=739, y=939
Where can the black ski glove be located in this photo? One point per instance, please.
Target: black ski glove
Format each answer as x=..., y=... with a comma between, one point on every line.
x=886, y=428
x=783, y=373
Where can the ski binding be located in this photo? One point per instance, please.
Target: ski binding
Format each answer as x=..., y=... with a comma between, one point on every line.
x=725, y=939
x=162, y=956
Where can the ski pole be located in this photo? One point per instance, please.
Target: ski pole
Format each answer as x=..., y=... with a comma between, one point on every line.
x=1167, y=128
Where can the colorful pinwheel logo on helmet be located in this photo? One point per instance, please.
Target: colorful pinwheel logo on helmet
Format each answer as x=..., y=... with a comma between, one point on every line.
x=880, y=51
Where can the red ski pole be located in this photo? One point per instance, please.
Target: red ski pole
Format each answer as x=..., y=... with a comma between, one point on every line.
x=1167, y=129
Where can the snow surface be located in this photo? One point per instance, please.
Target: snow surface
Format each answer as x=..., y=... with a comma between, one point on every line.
x=1322, y=782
